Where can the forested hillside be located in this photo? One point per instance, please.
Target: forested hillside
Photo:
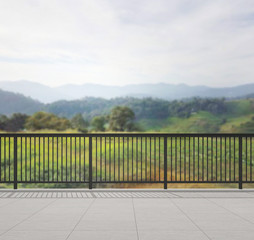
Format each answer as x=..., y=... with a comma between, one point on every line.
x=14, y=102
x=189, y=115
x=90, y=107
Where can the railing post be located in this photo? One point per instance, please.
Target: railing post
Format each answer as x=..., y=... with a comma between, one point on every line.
x=165, y=163
x=240, y=163
x=15, y=164
x=90, y=163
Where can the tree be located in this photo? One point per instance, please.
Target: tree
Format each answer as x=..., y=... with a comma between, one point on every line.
x=98, y=123
x=121, y=119
x=3, y=122
x=13, y=124
x=16, y=122
x=79, y=123
x=43, y=120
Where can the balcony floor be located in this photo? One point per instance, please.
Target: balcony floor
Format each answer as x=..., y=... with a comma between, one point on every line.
x=126, y=214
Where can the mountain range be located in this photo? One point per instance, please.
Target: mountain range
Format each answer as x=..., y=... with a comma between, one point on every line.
x=46, y=94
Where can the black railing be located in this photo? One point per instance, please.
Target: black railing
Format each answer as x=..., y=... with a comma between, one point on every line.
x=126, y=158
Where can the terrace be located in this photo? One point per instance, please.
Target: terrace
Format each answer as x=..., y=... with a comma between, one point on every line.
x=98, y=161
x=126, y=214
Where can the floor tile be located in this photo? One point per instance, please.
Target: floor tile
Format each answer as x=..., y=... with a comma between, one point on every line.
x=166, y=235
x=35, y=235
x=105, y=235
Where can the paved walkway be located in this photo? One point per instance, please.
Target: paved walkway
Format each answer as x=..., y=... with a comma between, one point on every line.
x=126, y=214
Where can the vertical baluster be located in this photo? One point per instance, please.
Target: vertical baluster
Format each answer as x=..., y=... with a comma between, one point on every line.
x=198, y=158
x=246, y=158
x=123, y=157
x=30, y=153
x=62, y=159
x=96, y=148
x=141, y=160
x=176, y=158
x=114, y=159
x=127, y=158
x=21, y=153
x=66, y=159
x=136, y=158
x=0, y=158
x=132, y=156
x=171, y=158
x=43, y=159
x=194, y=162
x=39, y=159
x=150, y=158
x=159, y=159
x=165, y=163
x=90, y=163
x=34, y=157
x=230, y=159
x=154, y=158
x=119, y=175
x=240, y=163
x=251, y=159
x=216, y=159
x=75, y=158
x=100, y=158
x=84, y=159
x=207, y=162
x=109, y=158
x=180, y=150
x=184, y=158
x=225, y=152
x=48, y=159
x=221, y=158
x=71, y=159
x=9, y=159
x=234, y=160
x=203, y=160
x=105, y=166
x=15, y=162
x=189, y=158
x=52, y=159
x=212, y=159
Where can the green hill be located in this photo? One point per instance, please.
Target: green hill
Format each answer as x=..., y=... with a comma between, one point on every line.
x=197, y=122
x=239, y=117
x=14, y=102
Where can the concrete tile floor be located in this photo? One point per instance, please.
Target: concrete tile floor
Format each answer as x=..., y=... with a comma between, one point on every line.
x=126, y=214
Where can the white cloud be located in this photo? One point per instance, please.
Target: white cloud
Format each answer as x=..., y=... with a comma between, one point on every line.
x=121, y=42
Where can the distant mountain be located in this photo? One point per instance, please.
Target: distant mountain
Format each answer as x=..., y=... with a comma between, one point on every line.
x=17, y=103
x=34, y=90
x=165, y=91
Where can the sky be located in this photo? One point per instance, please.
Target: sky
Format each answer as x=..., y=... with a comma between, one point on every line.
x=120, y=42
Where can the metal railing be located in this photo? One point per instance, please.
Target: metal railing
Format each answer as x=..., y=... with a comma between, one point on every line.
x=126, y=158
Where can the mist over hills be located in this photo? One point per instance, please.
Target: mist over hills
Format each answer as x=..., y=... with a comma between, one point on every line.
x=46, y=94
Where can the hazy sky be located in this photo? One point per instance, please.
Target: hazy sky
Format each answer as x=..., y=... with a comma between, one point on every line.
x=127, y=41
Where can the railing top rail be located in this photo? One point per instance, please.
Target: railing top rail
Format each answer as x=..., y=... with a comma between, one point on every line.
x=136, y=134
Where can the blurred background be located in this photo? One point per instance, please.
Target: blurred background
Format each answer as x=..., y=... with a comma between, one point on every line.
x=163, y=66
x=126, y=66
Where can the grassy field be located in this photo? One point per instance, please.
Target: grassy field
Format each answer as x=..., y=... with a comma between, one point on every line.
x=202, y=122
